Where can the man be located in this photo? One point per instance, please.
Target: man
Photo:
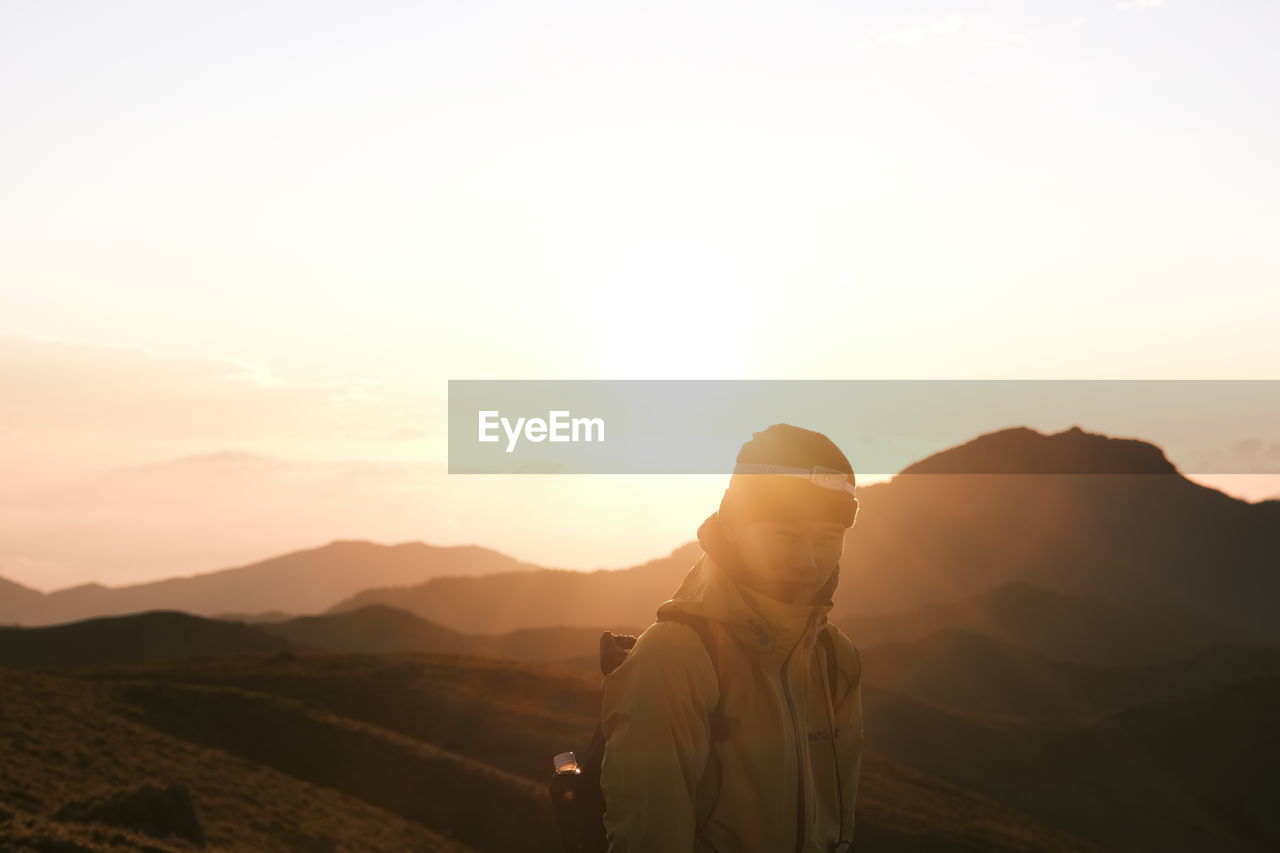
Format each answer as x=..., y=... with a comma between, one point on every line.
x=778, y=771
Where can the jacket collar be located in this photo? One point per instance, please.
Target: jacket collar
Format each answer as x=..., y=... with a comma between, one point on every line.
x=759, y=622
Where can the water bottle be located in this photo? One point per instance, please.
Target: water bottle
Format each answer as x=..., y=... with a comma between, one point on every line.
x=566, y=799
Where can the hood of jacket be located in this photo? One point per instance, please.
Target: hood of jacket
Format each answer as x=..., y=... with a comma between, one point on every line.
x=770, y=626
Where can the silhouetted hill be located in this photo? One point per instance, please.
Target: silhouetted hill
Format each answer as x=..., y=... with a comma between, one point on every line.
x=378, y=628
x=969, y=672
x=163, y=635
x=568, y=645
x=299, y=582
x=1086, y=628
x=1193, y=564
x=370, y=629
x=1021, y=450
x=1143, y=538
x=1143, y=535
x=118, y=640
x=495, y=604
x=14, y=596
x=261, y=616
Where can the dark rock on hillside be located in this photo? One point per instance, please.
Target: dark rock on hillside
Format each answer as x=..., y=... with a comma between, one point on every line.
x=149, y=809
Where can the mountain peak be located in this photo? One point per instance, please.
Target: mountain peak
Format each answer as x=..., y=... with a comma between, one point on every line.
x=1022, y=450
x=13, y=587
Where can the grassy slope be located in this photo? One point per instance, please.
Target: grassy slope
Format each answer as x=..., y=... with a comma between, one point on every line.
x=64, y=739
x=965, y=671
x=506, y=715
x=1100, y=786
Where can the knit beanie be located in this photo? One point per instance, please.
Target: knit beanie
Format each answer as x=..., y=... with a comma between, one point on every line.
x=755, y=496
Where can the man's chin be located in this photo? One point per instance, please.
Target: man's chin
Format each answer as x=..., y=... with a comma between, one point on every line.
x=788, y=578
x=805, y=576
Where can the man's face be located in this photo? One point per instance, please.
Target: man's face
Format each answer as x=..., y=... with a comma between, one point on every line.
x=796, y=552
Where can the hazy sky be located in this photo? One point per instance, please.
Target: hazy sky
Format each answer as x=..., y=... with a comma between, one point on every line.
x=243, y=246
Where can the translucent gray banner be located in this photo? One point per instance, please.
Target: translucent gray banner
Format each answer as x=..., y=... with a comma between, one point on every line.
x=883, y=426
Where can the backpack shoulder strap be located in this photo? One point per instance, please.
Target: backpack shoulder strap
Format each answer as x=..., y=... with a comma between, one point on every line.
x=700, y=625
x=718, y=723
x=716, y=719
x=829, y=646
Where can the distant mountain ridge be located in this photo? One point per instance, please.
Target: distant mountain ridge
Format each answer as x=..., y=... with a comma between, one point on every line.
x=1121, y=525
x=1126, y=526
x=161, y=635
x=1190, y=562
x=1084, y=628
x=949, y=666
x=1022, y=450
x=503, y=602
x=16, y=596
x=305, y=581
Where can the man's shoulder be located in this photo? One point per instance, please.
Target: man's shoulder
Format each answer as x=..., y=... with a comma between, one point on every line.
x=668, y=658
x=671, y=645
x=672, y=635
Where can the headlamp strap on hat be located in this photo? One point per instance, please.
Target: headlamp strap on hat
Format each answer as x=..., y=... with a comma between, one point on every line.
x=819, y=475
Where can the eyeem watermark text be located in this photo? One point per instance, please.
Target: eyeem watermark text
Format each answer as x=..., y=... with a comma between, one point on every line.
x=558, y=426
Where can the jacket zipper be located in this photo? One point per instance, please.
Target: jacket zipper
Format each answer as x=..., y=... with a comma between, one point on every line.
x=795, y=726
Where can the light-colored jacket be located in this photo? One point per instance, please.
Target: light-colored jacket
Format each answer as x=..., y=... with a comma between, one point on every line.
x=785, y=777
